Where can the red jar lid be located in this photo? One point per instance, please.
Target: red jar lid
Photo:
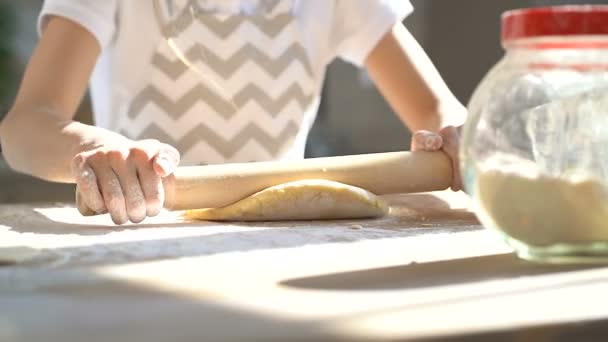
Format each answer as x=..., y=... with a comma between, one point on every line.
x=555, y=21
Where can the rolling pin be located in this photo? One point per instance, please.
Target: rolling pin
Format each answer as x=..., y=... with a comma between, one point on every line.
x=215, y=186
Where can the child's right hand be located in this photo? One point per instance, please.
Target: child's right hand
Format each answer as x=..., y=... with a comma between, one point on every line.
x=124, y=179
x=448, y=140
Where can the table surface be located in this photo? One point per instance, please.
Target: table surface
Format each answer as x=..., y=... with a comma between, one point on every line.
x=429, y=270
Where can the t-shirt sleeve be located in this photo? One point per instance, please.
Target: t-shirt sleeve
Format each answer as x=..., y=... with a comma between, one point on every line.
x=359, y=25
x=96, y=16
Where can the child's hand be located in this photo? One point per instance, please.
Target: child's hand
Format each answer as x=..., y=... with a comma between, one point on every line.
x=448, y=140
x=125, y=178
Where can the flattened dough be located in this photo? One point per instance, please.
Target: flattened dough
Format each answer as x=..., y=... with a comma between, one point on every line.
x=300, y=200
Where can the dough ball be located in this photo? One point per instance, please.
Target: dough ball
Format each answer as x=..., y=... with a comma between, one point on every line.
x=299, y=200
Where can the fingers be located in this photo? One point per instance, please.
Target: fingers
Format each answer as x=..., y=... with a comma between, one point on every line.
x=125, y=170
x=451, y=141
x=152, y=187
x=165, y=158
x=87, y=184
x=151, y=183
x=154, y=160
x=166, y=161
x=426, y=141
x=447, y=140
x=110, y=187
x=125, y=181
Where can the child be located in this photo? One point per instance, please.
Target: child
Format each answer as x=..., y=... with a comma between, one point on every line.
x=252, y=94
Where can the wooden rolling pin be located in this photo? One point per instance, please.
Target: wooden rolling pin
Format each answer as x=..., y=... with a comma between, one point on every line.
x=215, y=186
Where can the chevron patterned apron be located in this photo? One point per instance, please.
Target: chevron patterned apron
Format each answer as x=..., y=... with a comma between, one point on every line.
x=244, y=95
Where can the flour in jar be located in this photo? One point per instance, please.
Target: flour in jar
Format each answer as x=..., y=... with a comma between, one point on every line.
x=542, y=210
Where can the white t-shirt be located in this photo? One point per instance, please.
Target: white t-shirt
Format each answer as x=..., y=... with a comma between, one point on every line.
x=258, y=68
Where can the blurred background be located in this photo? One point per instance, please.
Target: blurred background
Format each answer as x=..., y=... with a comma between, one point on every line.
x=461, y=37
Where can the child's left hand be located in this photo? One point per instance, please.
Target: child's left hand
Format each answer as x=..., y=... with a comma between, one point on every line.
x=448, y=140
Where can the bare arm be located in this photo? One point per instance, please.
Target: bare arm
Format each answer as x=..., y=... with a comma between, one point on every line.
x=39, y=137
x=411, y=84
x=38, y=134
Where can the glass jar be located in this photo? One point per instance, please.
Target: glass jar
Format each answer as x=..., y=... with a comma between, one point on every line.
x=534, y=152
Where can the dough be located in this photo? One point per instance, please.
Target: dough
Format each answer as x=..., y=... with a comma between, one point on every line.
x=14, y=255
x=299, y=200
x=543, y=210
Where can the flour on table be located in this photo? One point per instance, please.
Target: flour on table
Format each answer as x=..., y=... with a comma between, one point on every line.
x=300, y=200
x=16, y=254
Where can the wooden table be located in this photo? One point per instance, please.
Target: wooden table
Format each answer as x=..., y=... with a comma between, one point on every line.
x=427, y=271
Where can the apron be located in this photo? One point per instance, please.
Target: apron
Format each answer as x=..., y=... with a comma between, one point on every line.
x=232, y=83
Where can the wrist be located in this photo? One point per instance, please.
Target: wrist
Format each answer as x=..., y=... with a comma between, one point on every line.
x=92, y=137
x=452, y=114
x=440, y=116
